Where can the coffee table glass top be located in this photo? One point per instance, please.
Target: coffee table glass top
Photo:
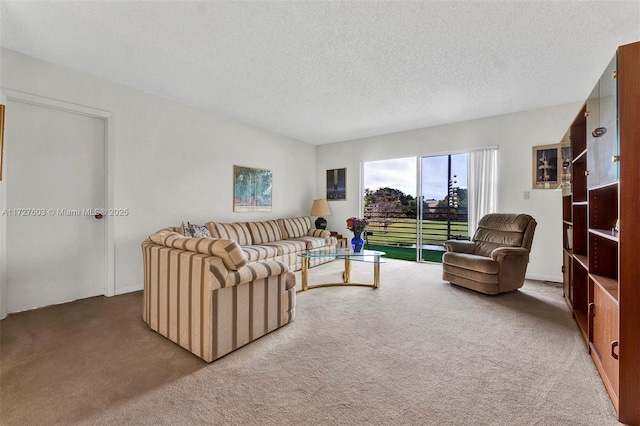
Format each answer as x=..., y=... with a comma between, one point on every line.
x=344, y=253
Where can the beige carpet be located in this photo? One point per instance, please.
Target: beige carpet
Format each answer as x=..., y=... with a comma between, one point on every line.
x=417, y=351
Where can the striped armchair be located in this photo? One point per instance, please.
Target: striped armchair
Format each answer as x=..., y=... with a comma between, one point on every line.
x=204, y=295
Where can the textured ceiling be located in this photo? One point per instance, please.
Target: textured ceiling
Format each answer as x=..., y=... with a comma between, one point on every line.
x=330, y=71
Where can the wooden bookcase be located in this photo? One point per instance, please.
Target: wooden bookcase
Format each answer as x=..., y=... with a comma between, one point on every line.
x=601, y=261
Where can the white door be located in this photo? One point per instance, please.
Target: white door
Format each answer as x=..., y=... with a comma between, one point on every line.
x=55, y=176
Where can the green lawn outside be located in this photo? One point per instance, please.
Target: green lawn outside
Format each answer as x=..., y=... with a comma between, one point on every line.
x=406, y=253
x=398, y=238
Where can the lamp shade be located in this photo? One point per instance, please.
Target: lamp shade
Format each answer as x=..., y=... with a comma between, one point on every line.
x=320, y=208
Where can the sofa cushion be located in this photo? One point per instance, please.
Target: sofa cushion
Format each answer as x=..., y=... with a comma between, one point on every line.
x=294, y=227
x=288, y=246
x=238, y=232
x=311, y=242
x=195, y=231
x=255, y=253
x=227, y=250
x=265, y=232
x=183, y=229
x=177, y=229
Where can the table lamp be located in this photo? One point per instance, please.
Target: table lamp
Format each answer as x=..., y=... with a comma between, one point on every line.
x=320, y=208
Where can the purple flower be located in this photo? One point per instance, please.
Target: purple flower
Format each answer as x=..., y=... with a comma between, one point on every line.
x=357, y=225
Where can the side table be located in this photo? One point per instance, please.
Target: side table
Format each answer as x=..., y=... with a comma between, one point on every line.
x=342, y=241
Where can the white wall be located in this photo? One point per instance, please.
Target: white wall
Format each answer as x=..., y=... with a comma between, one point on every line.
x=169, y=162
x=515, y=134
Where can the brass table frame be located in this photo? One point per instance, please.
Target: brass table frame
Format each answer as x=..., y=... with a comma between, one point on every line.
x=348, y=255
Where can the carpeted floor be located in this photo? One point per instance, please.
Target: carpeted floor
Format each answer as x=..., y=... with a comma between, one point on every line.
x=417, y=351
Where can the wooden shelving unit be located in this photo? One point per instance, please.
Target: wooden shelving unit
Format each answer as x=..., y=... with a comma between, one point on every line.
x=601, y=262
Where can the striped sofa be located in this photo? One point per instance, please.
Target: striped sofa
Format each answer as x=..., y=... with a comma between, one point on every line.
x=280, y=240
x=213, y=295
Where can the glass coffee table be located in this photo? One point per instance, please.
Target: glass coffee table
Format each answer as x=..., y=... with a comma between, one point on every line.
x=371, y=256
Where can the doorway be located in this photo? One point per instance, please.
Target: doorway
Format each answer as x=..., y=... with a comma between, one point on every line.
x=56, y=188
x=443, y=213
x=414, y=204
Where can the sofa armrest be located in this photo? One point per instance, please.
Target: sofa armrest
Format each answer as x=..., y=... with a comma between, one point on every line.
x=460, y=246
x=254, y=271
x=228, y=250
x=502, y=253
x=320, y=233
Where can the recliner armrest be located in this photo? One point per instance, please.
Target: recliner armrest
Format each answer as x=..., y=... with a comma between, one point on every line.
x=501, y=253
x=460, y=246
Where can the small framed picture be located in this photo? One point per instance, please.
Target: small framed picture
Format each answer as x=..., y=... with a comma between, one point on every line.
x=337, y=184
x=566, y=166
x=546, y=166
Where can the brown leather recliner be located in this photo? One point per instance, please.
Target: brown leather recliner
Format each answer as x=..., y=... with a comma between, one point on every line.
x=496, y=259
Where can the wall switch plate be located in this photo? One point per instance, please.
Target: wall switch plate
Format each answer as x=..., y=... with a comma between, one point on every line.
x=526, y=195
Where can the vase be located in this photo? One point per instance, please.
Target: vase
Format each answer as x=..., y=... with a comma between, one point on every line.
x=357, y=242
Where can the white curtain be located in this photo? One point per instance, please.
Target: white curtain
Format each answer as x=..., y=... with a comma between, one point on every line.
x=483, y=185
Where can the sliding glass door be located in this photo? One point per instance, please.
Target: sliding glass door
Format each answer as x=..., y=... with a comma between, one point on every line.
x=443, y=211
x=415, y=204
x=390, y=205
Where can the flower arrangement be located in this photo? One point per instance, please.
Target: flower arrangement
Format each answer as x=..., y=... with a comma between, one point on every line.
x=357, y=225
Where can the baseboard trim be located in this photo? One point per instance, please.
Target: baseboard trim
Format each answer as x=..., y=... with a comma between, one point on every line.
x=554, y=279
x=129, y=289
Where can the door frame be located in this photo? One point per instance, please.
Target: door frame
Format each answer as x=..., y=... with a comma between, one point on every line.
x=109, y=132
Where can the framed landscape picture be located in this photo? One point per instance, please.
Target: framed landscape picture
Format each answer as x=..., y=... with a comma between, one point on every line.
x=252, y=189
x=337, y=184
x=546, y=166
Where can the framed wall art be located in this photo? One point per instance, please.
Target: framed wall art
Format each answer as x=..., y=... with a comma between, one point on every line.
x=565, y=164
x=252, y=189
x=546, y=166
x=337, y=184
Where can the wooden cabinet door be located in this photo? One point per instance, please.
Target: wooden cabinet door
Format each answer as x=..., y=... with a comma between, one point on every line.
x=602, y=129
x=605, y=333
